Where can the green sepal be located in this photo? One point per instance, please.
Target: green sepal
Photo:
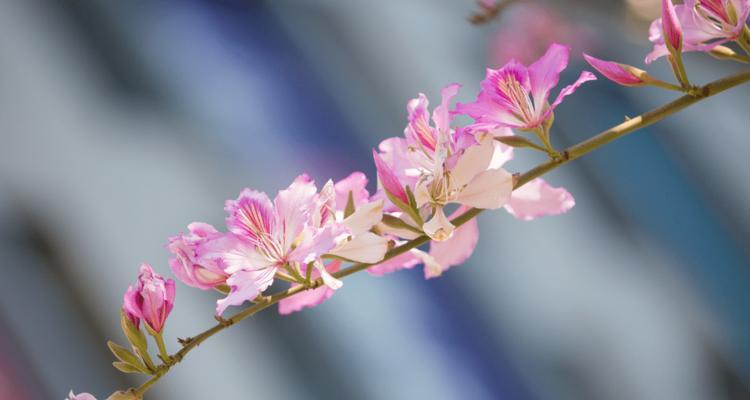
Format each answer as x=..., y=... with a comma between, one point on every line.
x=126, y=357
x=136, y=338
x=127, y=368
x=350, y=208
x=398, y=223
x=518, y=141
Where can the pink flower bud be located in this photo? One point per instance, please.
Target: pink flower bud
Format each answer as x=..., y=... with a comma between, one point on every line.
x=388, y=179
x=151, y=300
x=619, y=73
x=80, y=396
x=670, y=26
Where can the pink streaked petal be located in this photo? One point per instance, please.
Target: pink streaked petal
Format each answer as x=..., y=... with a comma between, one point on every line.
x=570, y=89
x=245, y=286
x=484, y=109
x=356, y=183
x=237, y=255
x=316, y=242
x=670, y=25
x=418, y=131
x=309, y=298
x=293, y=206
x=537, y=198
x=458, y=248
x=442, y=116
x=251, y=215
x=402, y=261
x=613, y=71
x=388, y=179
x=544, y=74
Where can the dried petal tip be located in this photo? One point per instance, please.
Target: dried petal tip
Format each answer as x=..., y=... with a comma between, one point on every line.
x=621, y=74
x=670, y=26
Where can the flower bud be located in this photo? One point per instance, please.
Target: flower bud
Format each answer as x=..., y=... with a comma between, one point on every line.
x=151, y=300
x=80, y=396
x=389, y=180
x=622, y=74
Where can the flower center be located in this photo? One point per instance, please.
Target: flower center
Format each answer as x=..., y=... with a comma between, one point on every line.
x=511, y=90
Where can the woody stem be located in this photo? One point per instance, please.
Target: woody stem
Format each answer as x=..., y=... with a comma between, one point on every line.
x=566, y=156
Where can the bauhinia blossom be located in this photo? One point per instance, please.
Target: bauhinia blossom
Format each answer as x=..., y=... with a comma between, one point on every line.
x=361, y=245
x=622, y=74
x=697, y=25
x=292, y=233
x=444, y=166
x=189, y=263
x=151, y=300
x=518, y=97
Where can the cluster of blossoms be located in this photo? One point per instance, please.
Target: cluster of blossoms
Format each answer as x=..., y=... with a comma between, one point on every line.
x=304, y=235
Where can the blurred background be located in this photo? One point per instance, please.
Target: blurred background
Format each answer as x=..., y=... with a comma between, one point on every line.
x=122, y=122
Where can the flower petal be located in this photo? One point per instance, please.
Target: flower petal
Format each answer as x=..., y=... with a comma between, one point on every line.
x=402, y=261
x=570, y=89
x=544, y=73
x=293, y=206
x=356, y=183
x=388, y=179
x=251, y=215
x=459, y=247
x=442, y=116
x=439, y=227
x=670, y=26
x=472, y=162
x=364, y=217
x=365, y=248
x=245, y=286
x=537, y=198
x=490, y=189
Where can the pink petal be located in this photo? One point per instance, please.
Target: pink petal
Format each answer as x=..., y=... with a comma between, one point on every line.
x=251, y=215
x=293, y=207
x=442, y=116
x=613, y=71
x=80, y=396
x=537, y=198
x=245, y=286
x=490, y=189
x=309, y=298
x=418, y=131
x=458, y=248
x=570, y=89
x=544, y=73
x=670, y=25
x=388, y=179
x=356, y=183
x=402, y=261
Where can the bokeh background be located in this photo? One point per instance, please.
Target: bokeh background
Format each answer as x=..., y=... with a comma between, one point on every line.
x=123, y=121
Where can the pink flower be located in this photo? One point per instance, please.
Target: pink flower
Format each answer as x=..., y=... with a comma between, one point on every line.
x=296, y=229
x=80, y=396
x=444, y=165
x=619, y=73
x=517, y=97
x=697, y=25
x=151, y=300
x=189, y=265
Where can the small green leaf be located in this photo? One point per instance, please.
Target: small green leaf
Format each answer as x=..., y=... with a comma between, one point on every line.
x=134, y=335
x=350, y=208
x=123, y=354
x=127, y=368
x=398, y=223
x=518, y=141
